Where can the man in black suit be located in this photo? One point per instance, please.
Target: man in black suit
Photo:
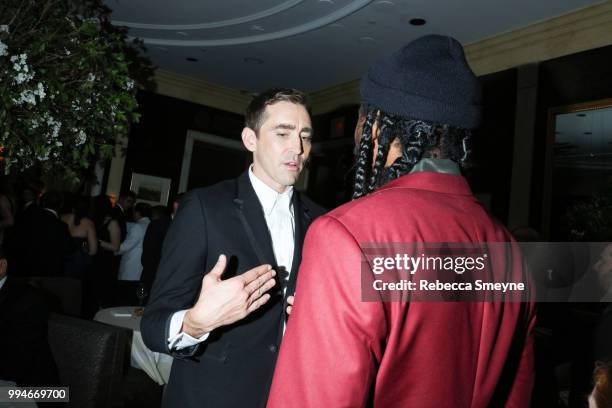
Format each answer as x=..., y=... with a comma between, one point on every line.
x=152, y=244
x=224, y=330
x=25, y=356
x=42, y=241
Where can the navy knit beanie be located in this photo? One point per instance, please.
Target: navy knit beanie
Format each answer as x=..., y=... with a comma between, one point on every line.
x=427, y=79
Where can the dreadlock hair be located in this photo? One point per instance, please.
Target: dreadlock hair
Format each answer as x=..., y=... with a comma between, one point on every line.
x=419, y=139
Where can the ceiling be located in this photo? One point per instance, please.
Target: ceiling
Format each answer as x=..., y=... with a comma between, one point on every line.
x=308, y=44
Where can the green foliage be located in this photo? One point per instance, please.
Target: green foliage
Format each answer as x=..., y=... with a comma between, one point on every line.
x=68, y=83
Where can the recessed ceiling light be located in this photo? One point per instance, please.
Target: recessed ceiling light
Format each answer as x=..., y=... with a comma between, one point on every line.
x=417, y=21
x=257, y=28
x=367, y=39
x=588, y=133
x=191, y=59
x=182, y=33
x=385, y=3
x=582, y=115
x=253, y=60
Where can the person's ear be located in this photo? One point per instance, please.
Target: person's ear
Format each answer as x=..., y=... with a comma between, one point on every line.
x=249, y=139
x=3, y=267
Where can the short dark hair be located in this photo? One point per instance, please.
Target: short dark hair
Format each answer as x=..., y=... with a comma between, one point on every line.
x=255, y=113
x=52, y=200
x=144, y=209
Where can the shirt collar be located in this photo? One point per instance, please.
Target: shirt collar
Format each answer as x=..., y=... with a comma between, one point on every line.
x=268, y=197
x=52, y=211
x=2, y=281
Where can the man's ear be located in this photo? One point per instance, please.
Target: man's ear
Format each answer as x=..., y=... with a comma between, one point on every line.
x=249, y=139
x=3, y=266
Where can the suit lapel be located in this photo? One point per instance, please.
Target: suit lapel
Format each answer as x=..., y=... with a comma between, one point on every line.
x=302, y=220
x=251, y=215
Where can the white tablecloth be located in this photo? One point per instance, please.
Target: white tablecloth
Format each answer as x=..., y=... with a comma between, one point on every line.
x=156, y=365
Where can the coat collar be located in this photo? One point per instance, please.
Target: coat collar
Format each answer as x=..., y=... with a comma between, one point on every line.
x=431, y=181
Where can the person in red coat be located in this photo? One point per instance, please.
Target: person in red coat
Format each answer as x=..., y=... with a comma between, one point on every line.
x=419, y=106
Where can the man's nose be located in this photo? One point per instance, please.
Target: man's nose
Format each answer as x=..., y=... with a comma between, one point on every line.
x=296, y=145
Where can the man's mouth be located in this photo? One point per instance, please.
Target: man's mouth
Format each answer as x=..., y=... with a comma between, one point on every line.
x=292, y=165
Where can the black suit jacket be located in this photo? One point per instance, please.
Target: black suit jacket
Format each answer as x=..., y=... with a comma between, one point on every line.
x=152, y=248
x=25, y=356
x=42, y=244
x=234, y=366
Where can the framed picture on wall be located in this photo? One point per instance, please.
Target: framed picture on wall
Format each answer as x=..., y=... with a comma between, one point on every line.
x=151, y=189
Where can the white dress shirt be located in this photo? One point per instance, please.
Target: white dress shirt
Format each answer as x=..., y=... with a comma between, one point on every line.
x=130, y=267
x=278, y=213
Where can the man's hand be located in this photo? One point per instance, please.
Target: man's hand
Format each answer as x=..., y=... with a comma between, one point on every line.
x=290, y=300
x=223, y=302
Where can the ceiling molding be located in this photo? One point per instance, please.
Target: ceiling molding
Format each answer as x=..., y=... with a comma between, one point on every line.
x=215, y=24
x=315, y=24
x=201, y=92
x=570, y=33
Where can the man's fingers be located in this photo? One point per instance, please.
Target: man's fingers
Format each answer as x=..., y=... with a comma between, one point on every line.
x=290, y=300
x=260, y=289
x=219, y=268
x=258, y=303
x=252, y=274
x=260, y=281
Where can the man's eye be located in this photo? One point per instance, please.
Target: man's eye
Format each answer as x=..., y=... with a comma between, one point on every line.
x=307, y=138
x=282, y=134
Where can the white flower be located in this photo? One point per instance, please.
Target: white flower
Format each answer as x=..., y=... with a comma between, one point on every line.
x=4, y=28
x=91, y=77
x=26, y=96
x=67, y=51
x=20, y=59
x=129, y=84
x=3, y=49
x=40, y=91
x=23, y=77
x=82, y=138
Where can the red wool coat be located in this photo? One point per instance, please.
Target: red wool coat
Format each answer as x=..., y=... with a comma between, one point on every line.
x=341, y=352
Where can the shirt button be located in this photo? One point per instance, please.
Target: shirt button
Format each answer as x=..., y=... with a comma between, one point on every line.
x=272, y=348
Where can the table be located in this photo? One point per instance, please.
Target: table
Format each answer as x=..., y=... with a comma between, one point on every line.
x=156, y=365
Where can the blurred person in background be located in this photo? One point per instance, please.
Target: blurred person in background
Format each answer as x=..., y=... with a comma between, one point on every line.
x=130, y=267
